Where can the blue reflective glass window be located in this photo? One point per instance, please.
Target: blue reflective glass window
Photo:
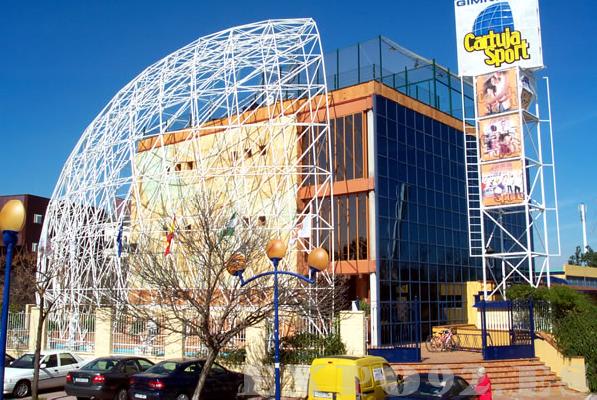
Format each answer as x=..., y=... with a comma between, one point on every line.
x=392, y=130
x=410, y=118
x=380, y=105
x=419, y=125
x=391, y=110
x=381, y=127
x=411, y=137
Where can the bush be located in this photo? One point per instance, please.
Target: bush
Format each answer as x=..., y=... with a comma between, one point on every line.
x=304, y=347
x=574, y=320
x=233, y=357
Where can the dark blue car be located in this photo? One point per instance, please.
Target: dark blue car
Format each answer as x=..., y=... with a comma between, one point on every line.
x=434, y=387
x=177, y=379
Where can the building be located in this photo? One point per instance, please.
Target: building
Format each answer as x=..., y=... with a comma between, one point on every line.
x=394, y=157
x=580, y=278
x=35, y=207
x=400, y=189
x=399, y=185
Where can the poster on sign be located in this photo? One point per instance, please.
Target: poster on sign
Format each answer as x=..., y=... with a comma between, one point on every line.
x=500, y=137
x=502, y=183
x=497, y=92
x=493, y=35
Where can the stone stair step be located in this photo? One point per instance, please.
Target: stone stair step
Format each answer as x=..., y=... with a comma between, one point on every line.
x=505, y=375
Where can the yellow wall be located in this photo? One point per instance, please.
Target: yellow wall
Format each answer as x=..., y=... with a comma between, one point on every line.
x=571, y=370
x=577, y=270
x=251, y=171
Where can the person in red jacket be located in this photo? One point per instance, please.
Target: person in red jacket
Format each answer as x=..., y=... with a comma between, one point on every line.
x=483, y=387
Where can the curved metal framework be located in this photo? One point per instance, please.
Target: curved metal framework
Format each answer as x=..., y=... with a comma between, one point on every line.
x=251, y=95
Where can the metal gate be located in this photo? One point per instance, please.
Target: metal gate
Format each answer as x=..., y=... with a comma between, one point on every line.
x=507, y=329
x=401, y=330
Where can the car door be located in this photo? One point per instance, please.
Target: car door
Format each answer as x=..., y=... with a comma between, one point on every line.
x=67, y=363
x=119, y=377
x=49, y=375
x=218, y=384
x=187, y=378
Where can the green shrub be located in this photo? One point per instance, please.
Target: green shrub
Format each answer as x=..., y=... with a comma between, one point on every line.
x=574, y=320
x=304, y=347
x=233, y=357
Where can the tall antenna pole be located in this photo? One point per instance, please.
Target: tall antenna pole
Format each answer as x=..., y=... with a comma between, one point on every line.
x=582, y=207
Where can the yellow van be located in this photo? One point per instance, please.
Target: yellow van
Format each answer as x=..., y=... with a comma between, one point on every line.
x=351, y=378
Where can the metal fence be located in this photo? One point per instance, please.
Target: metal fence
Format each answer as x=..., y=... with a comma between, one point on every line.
x=131, y=335
x=194, y=348
x=71, y=331
x=543, y=317
x=18, y=331
x=381, y=59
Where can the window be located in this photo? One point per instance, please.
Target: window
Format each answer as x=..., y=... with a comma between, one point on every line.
x=192, y=369
x=217, y=369
x=51, y=361
x=67, y=359
x=348, y=148
x=130, y=367
x=351, y=227
x=38, y=218
x=144, y=364
x=34, y=247
x=101, y=364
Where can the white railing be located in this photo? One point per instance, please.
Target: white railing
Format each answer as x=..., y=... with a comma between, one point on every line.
x=18, y=331
x=137, y=336
x=194, y=348
x=74, y=332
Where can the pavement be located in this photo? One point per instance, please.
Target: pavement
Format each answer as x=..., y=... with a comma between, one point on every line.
x=523, y=395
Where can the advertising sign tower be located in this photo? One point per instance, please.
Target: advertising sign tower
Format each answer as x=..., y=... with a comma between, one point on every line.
x=511, y=185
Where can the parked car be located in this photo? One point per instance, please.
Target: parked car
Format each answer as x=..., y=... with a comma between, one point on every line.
x=435, y=387
x=177, y=379
x=8, y=359
x=54, y=365
x=105, y=378
x=348, y=377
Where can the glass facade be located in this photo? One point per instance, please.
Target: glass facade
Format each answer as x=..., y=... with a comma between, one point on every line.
x=421, y=216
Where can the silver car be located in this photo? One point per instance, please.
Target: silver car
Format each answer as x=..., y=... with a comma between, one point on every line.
x=54, y=365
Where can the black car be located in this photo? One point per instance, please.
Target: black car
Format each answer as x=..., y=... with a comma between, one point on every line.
x=105, y=378
x=434, y=387
x=177, y=379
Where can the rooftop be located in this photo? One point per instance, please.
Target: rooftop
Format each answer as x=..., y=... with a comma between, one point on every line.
x=385, y=61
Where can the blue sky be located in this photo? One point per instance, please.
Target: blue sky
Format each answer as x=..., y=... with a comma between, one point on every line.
x=62, y=61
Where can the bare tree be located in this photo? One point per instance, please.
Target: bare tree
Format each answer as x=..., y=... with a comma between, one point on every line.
x=193, y=285
x=23, y=275
x=45, y=280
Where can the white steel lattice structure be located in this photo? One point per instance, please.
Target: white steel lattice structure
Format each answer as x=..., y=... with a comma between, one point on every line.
x=233, y=109
x=515, y=240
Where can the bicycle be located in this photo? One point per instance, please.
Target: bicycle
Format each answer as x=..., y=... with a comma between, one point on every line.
x=445, y=341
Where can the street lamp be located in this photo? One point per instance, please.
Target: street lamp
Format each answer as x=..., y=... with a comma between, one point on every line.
x=12, y=219
x=276, y=250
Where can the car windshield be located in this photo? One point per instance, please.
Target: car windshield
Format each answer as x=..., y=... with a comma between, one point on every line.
x=25, y=361
x=165, y=367
x=101, y=364
x=429, y=389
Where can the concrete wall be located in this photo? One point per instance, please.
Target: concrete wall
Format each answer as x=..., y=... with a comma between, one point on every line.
x=571, y=370
x=353, y=332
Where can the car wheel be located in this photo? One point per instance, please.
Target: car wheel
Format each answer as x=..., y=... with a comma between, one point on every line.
x=182, y=396
x=22, y=389
x=121, y=395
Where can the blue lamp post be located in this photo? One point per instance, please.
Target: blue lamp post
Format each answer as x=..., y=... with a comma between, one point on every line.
x=276, y=250
x=12, y=219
